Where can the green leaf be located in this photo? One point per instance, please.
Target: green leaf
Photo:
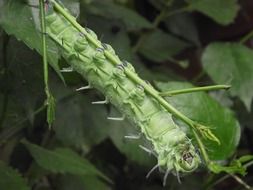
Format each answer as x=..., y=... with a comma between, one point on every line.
x=10, y=179
x=90, y=127
x=180, y=23
x=24, y=82
x=130, y=18
x=67, y=182
x=160, y=46
x=24, y=28
x=202, y=108
x=231, y=63
x=222, y=11
x=62, y=160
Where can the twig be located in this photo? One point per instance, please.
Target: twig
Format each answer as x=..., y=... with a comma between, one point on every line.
x=246, y=38
x=50, y=102
x=196, y=89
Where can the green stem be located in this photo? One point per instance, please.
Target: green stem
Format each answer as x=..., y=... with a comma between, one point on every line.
x=202, y=148
x=246, y=38
x=196, y=89
x=44, y=47
x=50, y=101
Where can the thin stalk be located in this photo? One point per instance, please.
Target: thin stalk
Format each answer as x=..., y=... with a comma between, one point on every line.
x=201, y=147
x=195, y=89
x=240, y=181
x=44, y=47
x=246, y=38
x=50, y=101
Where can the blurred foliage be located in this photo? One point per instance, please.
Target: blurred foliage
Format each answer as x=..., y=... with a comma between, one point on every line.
x=172, y=43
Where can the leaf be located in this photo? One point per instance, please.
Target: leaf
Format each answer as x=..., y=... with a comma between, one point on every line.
x=24, y=82
x=10, y=179
x=24, y=28
x=91, y=125
x=231, y=63
x=222, y=11
x=130, y=18
x=160, y=46
x=180, y=23
x=67, y=182
x=202, y=108
x=62, y=160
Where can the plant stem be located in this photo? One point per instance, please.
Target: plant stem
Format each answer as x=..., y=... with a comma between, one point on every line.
x=196, y=89
x=50, y=101
x=201, y=147
x=239, y=180
x=246, y=38
x=44, y=47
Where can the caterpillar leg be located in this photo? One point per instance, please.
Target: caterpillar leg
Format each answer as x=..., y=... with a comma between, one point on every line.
x=152, y=170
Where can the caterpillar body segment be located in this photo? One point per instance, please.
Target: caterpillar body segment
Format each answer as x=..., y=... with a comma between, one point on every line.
x=173, y=148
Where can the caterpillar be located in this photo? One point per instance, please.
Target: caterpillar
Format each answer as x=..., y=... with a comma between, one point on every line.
x=89, y=57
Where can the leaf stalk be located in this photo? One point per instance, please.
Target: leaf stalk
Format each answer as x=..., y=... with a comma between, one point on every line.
x=195, y=89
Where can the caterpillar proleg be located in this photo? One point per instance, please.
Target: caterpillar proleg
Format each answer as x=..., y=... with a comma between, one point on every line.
x=134, y=98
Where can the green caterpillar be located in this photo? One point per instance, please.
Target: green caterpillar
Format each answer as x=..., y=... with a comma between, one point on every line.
x=89, y=57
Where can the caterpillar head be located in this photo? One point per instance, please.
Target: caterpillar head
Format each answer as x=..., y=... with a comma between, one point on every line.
x=186, y=159
x=182, y=158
